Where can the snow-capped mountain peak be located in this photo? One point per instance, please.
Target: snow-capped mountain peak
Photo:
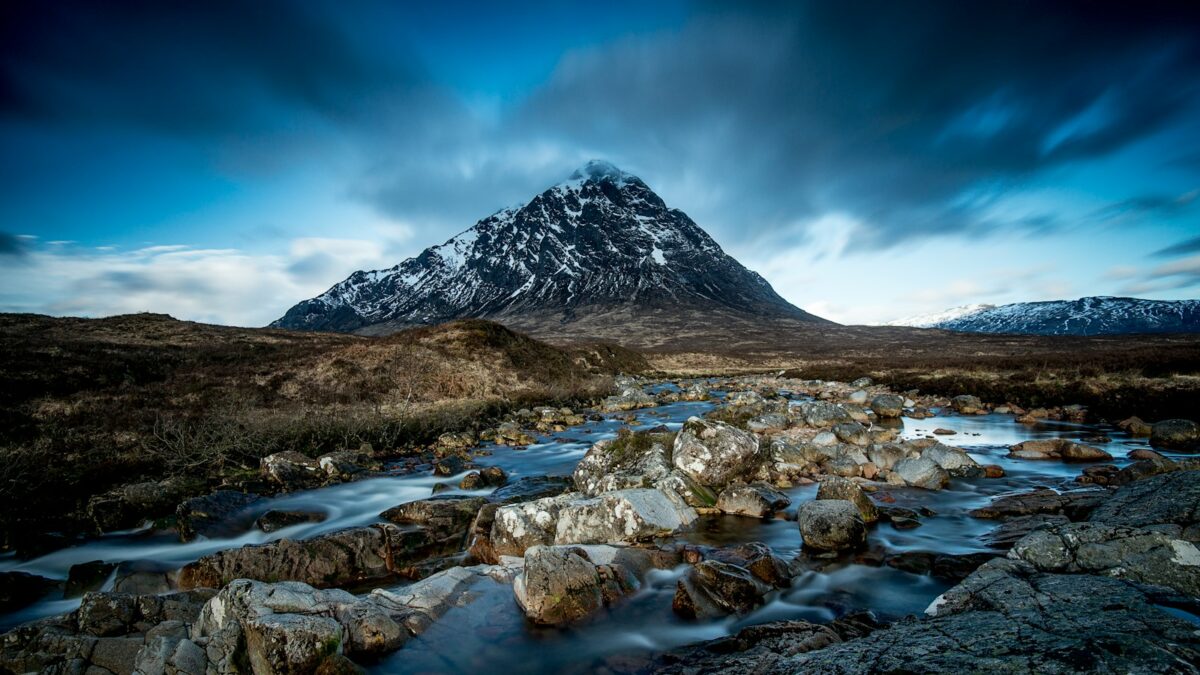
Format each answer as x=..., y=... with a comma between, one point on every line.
x=932, y=320
x=600, y=239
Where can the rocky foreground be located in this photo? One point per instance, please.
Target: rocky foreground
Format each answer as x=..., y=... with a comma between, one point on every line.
x=1100, y=576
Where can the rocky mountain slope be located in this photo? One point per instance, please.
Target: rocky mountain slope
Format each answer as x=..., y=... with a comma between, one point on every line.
x=1085, y=316
x=599, y=241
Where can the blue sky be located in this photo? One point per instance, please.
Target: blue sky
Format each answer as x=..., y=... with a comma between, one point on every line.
x=220, y=161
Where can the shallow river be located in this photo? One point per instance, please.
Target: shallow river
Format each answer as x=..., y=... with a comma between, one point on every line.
x=491, y=633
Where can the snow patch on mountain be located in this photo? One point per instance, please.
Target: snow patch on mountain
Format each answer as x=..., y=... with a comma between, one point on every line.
x=932, y=320
x=1100, y=315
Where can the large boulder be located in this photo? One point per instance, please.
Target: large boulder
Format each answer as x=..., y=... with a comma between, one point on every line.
x=831, y=525
x=222, y=513
x=822, y=414
x=1074, y=504
x=444, y=517
x=1114, y=551
x=637, y=460
x=921, y=472
x=714, y=453
x=1176, y=434
x=516, y=527
x=835, y=487
x=967, y=404
x=292, y=470
x=560, y=584
x=622, y=516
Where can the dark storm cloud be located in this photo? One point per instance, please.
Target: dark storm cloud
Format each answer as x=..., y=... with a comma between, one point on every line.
x=916, y=117
x=187, y=67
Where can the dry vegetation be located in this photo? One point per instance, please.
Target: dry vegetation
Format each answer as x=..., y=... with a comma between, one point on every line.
x=86, y=405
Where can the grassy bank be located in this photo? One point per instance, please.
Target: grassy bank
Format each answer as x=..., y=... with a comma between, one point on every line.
x=88, y=405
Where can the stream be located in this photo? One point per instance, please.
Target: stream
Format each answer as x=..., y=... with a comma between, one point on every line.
x=491, y=632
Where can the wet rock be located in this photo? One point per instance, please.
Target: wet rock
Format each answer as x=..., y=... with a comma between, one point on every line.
x=944, y=432
x=713, y=588
x=834, y=487
x=292, y=470
x=130, y=505
x=630, y=399
x=955, y=462
x=1006, y=617
x=560, y=585
x=1074, y=504
x=84, y=577
x=445, y=518
x=1099, y=474
x=768, y=423
x=529, y=488
x=921, y=472
x=695, y=392
x=342, y=465
x=275, y=520
x=1058, y=448
x=755, y=556
x=831, y=525
x=511, y=433
x=492, y=476
x=1176, y=434
x=888, y=406
x=967, y=404
x=636, y=461
x=144, y=577
x=622, y=516
x=1015, y=529
x=949, y=567
x=222, y=513
x=714, y=453
x=1113, y=551
x=18, y=589
x=885, y=455
x=1168, y=502
x=336, y=559
x=449, y=466
x=757, y=500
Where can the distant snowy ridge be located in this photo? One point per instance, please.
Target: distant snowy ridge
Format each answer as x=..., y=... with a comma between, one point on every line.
x=1086, y=316
x=933, y=320
x=602, y=238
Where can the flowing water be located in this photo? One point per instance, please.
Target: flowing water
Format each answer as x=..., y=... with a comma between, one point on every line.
x=491, y=632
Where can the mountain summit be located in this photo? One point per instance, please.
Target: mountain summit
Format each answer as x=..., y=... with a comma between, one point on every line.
x=598, y=242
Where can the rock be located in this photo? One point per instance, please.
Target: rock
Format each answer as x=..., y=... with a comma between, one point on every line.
x=949, y=567
x=445, y=518
x=449, y=466
x=1058, y=448
x=831, y=525
x=695, y=392
x=290, y=627
x=744, y=398
x=822, y=414
x=944, y=432
x=885, y=455
x=1074, y=504
x=274, y=520
x=511, y=433
x=636, y=460
x=1135, y=426
x=144, y=577
x=966, y=404
x=1168, y=502
x=342, y=465
x=1176, y=434
x=756, y=557
x=622, y=516
x=81, y=578
x=862, y=382
x=130, y=505
x=921, y=472
x=1113, y=551
x=492, y=476
x=339, y=558
x=18, y=589
x=768, y=423
x=956, y=462
x=1013, y=530
x=222, y=513
x=453, y=442
x=560, y=585
x=630, y=399
x=757, y=500
x=516, y=527
x=292, y=470
x=858, y=397
x=714, y=453
x=713, y=588
x=834, y=487
x=888, y=406
x=852, y=433
x=529, y=488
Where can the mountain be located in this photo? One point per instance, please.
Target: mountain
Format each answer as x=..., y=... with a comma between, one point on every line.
x=600, y=242
x=934, y=320
x=1085, y=316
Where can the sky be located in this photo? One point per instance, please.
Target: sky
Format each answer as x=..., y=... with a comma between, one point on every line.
x=220, y=161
